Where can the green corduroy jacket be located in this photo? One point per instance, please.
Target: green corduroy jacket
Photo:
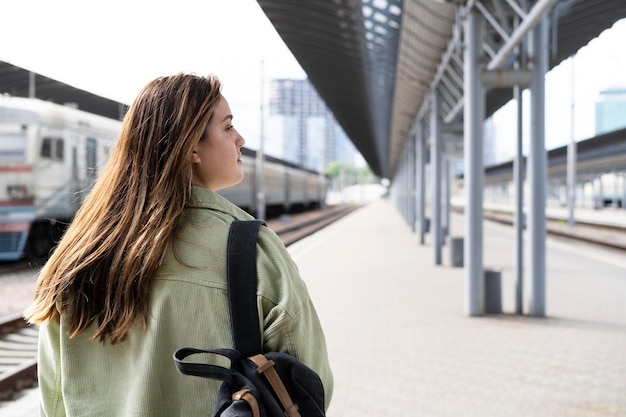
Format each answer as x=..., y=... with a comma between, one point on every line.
x=188, y=308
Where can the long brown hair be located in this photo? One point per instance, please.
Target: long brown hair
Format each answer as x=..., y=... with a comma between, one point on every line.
x=102, y=267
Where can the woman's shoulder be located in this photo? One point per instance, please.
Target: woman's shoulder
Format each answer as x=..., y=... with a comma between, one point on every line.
x=279, y=278
x=202, y=198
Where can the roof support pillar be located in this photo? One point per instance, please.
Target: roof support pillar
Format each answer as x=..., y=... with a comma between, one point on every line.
x=474, y=110
x=411, y=179
x=537, y=171
x=420, y=181
x=404, y=185
x=624, y=191
x=447, y=206
x=518, y=179
x=399, y=187
x=435, y=168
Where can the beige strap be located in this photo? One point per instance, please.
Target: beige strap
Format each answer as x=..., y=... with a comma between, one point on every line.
x=247, y=396
x=266, y=367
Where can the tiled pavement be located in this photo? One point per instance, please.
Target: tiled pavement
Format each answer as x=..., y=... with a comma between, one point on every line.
x=401, y=345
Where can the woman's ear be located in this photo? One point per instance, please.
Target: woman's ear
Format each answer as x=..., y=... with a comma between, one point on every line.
x=194, y=158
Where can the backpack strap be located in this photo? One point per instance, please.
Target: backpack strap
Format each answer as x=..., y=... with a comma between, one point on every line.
x=266, y=367
x=242, y=284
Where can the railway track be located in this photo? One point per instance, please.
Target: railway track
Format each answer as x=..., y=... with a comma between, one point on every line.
x=18, y=342
x=18, y=355
x=290, y=230
x=609, y=236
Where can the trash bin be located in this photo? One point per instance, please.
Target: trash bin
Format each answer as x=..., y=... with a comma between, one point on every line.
x=456, y=251
x=493, y=292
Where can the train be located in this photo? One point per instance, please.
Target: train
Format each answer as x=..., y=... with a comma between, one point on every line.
x=600, y=174
x=50, y=155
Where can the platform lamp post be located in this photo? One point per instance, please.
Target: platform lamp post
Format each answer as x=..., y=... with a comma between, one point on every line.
x=260, y=189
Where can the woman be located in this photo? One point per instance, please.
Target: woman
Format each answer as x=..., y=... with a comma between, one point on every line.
x=140, y=272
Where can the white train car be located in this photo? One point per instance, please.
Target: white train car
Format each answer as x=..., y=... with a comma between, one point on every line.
x=50, y=155
x=287, y=187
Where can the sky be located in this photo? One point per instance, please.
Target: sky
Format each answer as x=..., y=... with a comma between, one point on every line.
x=113, y=48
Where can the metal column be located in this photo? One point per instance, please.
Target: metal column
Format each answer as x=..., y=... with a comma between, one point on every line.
x=537, y=171
x=435, y=164
x=614, y=198
x=518, y=219
x=518, y=177
x=401, y=182
x=624, y=191
x=473, y=108
x=411, y=181
x=446, y=197
x=420, y=180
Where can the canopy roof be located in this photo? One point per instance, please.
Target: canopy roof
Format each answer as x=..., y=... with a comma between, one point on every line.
x=374, y=61
x=21, y=82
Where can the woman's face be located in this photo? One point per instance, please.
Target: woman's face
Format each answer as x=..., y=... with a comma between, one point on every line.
x=216, y=159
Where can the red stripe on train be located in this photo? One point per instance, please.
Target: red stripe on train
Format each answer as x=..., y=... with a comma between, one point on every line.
x=17, y=203
x=16, y=168
x=14, y=227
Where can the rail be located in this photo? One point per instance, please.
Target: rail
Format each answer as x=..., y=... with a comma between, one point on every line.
x=607, y=235
x=18, y=355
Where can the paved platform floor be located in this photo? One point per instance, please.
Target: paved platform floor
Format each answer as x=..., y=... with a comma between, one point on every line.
x=400, y=343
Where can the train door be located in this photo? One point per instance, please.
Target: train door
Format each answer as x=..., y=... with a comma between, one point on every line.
x=16, y=202
x=51, y=175
x=51, y=181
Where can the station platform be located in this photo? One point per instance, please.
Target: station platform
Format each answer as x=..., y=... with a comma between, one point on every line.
x=400, y=344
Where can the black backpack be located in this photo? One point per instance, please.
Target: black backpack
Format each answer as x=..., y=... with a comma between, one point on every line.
x=257, y=384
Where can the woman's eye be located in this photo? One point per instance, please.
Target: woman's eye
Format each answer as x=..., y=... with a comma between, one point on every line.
x=230, y=127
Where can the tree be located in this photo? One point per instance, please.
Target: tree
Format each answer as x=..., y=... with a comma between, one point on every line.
x=349, y=174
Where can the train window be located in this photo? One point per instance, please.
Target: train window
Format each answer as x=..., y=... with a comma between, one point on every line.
x=52, y=148
x=12, y=146
x=46, y=148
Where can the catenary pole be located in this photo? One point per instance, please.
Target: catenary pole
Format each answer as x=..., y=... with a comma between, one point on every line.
x=260, y=158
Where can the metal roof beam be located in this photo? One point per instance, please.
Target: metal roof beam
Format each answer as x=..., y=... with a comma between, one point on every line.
x=492, y=21
x=375, y=62
x=454, y=45
x=520, y=11
x=530, y=21
x=500, y=78
x=499, y=44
